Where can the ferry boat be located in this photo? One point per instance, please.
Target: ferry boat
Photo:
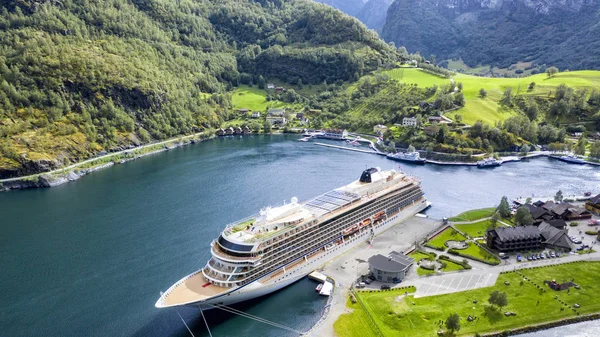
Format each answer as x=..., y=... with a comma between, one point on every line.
x=489, y=162
x=278, y=246
x=412, y=157
x=571, y=159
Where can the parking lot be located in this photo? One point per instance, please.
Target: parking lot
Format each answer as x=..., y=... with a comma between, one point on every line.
x=444, y=284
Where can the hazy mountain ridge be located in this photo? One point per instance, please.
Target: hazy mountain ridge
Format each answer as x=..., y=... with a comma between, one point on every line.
x=351, y=7
x=374, y=13
x=563, y=33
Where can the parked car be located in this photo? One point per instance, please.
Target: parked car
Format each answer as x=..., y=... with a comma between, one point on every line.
x=529, y=258
x=519, y=258
x=552, y=255
x=367, y=280
x=587, y=194
x=385, y=287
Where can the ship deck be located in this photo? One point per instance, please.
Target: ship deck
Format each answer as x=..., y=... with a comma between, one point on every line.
x=192, y=289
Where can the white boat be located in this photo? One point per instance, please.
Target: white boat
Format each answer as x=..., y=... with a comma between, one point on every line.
x=411, y=157
x=304, y=139
x=319, y=287
x=489, y=162
x=327, y=289
x=277, y=247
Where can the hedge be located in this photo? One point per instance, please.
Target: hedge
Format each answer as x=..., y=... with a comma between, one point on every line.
x=591, y=232
x=490, y=262
x=460, y=263
x=429, y=245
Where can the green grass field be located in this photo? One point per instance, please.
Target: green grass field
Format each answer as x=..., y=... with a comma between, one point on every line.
x=395, y=315
x=417, y=76
x=478, y=252
x=488, y=109
x=474, y=230
x=474, y=214
x=447, y=234
x=245, y=97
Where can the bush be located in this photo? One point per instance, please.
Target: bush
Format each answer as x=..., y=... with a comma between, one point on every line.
x=490, y=262
x=591, y=232
x=465, y=264
x=573, y=224
x=429, y=245
x=427, y=267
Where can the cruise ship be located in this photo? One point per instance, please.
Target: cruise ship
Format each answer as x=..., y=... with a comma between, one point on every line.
x=278, y=246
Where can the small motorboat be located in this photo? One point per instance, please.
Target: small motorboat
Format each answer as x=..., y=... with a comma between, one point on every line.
x=319, y=287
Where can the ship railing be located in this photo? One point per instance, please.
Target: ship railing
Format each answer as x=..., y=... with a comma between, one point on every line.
x=216, y=250
x=229, y=227
x=174, y=286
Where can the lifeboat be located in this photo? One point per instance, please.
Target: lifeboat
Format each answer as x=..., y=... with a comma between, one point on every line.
x=379, y=215
x=350, y=230
x=365, y=223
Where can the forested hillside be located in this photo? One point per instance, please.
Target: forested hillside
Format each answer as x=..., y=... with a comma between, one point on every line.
x=78, y=77
x=557, y=33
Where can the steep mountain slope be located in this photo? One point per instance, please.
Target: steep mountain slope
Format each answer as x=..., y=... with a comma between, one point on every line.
x=499, y=33
x=374, y=13
x=78, y=77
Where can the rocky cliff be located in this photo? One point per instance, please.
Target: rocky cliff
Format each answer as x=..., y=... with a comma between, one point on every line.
x=563, y=33
x=374, y=13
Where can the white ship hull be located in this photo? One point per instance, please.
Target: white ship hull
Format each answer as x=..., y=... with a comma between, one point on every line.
x=258, y=288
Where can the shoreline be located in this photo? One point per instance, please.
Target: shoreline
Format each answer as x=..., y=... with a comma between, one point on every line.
x=74, y=172
x=544, y=326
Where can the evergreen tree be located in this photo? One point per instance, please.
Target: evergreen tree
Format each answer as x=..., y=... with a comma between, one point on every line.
x=262, y=83
x=558, y=197
x=523, y=216
x=504, y=208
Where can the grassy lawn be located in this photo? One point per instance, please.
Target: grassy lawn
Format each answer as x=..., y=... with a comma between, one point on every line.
x=417, y=76
x=478, y=252
x=253, y=98
x=397, y=316
x=423, y=271
x=355, y=324
x=451, y=266
x=474, y=214
x=418, y=256
x=476, y=229
x=447, y=234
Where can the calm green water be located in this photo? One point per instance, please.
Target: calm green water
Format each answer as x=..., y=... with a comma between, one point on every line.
x=90, y=257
